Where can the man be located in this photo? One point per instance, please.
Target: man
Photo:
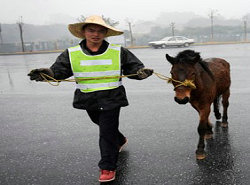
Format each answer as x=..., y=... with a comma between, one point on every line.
x=102, y=94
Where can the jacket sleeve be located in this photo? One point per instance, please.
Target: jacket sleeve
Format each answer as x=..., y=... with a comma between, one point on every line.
x=62, y=68
x=130, y=64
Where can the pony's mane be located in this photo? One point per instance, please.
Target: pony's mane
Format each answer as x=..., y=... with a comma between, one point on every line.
x=191, y=57
x=205, y=67
x=188, y=56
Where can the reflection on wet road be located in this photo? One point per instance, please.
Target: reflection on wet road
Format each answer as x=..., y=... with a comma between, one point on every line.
x=219, y=162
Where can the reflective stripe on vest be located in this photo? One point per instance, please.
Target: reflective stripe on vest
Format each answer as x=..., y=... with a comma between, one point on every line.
x=90, y=67
x=101, y=85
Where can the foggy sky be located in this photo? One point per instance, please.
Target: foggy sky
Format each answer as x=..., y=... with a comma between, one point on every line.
x=61, y=11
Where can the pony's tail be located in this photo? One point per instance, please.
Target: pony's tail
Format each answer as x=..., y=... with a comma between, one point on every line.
x=217, y=102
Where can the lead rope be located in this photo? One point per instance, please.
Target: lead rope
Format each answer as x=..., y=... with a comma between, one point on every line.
x=186, y=83
x=51, y=79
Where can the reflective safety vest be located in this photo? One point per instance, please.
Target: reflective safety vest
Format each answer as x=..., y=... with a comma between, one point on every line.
x=91, y=67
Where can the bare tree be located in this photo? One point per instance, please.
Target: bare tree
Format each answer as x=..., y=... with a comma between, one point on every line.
x=245, y=27
x=130, y=31
x=81, y=18
x=20, y=26
x=107, y=20
x=131, y=34
x=1, y=38
x=172, y=25
x=110, y=21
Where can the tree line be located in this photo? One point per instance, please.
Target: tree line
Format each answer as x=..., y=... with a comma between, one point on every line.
x=200, y=34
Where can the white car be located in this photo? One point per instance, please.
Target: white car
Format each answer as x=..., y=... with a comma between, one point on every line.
x=178, y=41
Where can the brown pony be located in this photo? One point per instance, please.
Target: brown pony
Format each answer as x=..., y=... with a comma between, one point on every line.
x=210, y=79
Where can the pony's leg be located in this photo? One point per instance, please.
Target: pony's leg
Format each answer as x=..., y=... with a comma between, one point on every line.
x=202, y=130
x=225, y=103
x=216, y=108
x=209, y=131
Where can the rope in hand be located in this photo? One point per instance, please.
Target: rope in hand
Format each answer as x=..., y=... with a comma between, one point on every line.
x=187, y=83
x=45, y=76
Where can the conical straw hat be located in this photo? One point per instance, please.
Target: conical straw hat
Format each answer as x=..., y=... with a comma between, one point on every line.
x=77, y=28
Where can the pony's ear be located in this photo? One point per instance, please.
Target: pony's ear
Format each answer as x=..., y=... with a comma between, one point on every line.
x=170, y=59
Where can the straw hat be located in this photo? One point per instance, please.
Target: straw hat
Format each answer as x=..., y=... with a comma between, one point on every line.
x=76, y=29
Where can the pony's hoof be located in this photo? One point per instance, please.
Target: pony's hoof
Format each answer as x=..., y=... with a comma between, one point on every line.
x=224, y=124
x=200, y=156
x=208, y=136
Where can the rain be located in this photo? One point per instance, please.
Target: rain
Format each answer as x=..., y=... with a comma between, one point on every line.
x=44, y=140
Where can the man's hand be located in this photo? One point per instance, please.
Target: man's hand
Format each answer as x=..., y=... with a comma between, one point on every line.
x=144, y=73
x=35, y=74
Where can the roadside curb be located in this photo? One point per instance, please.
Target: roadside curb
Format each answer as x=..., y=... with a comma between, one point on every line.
x=128, y=47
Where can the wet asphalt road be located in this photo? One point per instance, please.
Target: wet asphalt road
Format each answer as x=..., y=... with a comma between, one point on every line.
x=44, y=141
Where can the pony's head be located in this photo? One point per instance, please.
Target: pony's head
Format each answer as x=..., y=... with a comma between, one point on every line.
x=183, y=74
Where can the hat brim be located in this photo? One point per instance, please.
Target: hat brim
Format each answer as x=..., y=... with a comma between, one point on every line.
x=77, y=29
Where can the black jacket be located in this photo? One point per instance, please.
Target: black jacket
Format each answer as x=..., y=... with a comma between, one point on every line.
x=98, y=100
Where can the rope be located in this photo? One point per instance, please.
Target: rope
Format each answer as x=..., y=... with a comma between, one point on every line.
x=45, y=76
x=51, y=79
x=163, y=77
x=186, y=83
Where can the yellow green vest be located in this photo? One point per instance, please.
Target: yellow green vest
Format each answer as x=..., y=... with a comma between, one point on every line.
x=91, y=67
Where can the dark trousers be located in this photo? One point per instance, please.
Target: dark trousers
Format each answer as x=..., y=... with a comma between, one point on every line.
x=110, y=138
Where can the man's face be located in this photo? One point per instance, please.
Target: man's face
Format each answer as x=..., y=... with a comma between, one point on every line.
x=94, y=33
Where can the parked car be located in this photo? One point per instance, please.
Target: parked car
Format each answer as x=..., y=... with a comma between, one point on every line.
x=177, y=41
